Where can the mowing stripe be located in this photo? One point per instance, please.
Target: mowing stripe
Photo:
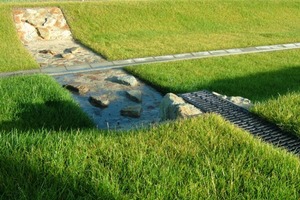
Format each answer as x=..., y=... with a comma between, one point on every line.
x=268, y=132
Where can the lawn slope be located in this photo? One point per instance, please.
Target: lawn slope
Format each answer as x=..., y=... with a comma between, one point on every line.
x=130, y=29
x=201, y=158
x=269, y=78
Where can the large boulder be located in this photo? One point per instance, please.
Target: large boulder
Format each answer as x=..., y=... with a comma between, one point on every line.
x=127, y=80
x=174, y=107
x=99, y=101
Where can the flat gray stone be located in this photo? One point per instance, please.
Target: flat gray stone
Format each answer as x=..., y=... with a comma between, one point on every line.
x=75, y=50
x=135, y=95
x=132, y=111
x=126, y=80
x=167, y=57
x=201, y=54
x=234, y=50
x=123, y=62
x=263, y=48
x=101, y=64
x=78, y=67
x=249, y=49
x=53, y=69
x=146, y=59
x=67, y=55
x=276, y=47
x=99, y=101
x=218, y=52
x=289, y=45
x=297, y=44
x=184, y=55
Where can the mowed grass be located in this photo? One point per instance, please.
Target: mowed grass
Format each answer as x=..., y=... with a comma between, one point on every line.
x=201, y=158
x=35, y=102
x=269, y=78
x=49, y=149
x=13, y=55
x=130, y=29
x=283, y=110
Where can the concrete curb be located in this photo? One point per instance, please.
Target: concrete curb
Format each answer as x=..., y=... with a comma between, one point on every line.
x=88, y=67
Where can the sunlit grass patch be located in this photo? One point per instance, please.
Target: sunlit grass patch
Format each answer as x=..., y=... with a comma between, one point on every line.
x=201, y=158
x=283, y=110
x=131, y=29
x=269, y=78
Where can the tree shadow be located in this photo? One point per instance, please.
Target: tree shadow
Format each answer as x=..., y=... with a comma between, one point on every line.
x=259, y=86
x=52, y=115
x=19, y=180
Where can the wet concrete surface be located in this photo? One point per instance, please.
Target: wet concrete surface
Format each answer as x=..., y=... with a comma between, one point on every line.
x=101, y=83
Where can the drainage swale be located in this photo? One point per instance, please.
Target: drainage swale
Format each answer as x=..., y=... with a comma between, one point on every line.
x=114, y=99
x=46, y=35
x=208, y=102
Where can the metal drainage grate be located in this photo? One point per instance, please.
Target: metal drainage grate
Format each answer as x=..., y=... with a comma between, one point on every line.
x=208, y=102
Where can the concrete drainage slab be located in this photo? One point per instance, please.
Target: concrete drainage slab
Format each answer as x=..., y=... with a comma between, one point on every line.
x=114, y=99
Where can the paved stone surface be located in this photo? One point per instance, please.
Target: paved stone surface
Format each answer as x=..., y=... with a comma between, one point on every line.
x=100, y=85
x=82, y=56
x=38, y=24
x=46, y=34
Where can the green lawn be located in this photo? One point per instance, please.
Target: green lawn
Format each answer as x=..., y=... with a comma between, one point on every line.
x=269, y=78
x=130, y=29
x=138, y=29
x=201, y=158
x=28, y=103
x=50, y=150
x=13, y=55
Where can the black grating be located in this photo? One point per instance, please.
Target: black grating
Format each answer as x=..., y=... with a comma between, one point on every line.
x=208, y=102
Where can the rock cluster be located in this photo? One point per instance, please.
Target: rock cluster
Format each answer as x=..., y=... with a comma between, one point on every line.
x=103, y=101
x=237, y=100
x=41, y=24
x=174, y=107
x=45, y=33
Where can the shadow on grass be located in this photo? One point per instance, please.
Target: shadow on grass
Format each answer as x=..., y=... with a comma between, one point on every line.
x=52, y=115
x=19, y=180
x=260, y=86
